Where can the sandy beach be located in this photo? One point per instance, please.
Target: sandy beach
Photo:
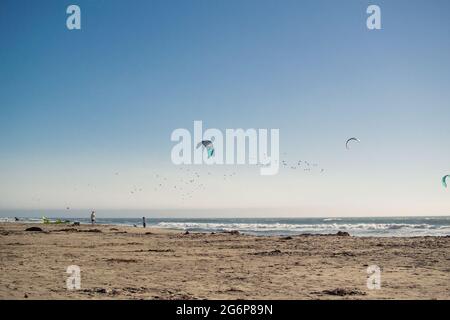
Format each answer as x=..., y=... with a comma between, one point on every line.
x=136, y=263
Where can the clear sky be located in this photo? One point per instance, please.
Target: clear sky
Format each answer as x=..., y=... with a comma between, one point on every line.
x=86, y=115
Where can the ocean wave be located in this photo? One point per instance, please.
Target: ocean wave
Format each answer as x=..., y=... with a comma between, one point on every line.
x=396, y=226
x=280, y=228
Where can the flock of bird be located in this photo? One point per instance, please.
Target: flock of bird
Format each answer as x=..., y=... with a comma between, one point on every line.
x=188, y=182
x=301, y=164
x=192, y=181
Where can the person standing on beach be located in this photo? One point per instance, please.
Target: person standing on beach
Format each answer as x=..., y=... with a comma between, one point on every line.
x=93, y=217
x=143, y=222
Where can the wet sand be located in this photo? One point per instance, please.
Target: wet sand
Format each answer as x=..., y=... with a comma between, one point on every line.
x=136, y=263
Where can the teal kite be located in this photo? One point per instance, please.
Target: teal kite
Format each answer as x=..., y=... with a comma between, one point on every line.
x=208, y=145
x=444, y=180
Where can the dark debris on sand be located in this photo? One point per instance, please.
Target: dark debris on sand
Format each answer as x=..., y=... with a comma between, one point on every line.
x=120, y=260
x=36, y=229
x=339, y=234
x=344, y=292
x=66, y=230
x=267, y=253
x=233, y=232
x=91, y=230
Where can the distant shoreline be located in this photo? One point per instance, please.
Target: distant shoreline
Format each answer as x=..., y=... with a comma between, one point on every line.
x=360, y=227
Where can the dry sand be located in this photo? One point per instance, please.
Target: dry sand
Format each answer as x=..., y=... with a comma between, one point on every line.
x=136, y=263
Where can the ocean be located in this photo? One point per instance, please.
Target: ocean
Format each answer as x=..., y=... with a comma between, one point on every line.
x=362, y=227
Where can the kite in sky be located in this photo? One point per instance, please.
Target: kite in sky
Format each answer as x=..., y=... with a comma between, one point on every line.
x=349, y=140
x=444, y=180
x=208, y=145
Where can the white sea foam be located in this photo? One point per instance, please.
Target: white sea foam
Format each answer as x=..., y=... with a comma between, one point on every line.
x=389, y=226
x=362, y=229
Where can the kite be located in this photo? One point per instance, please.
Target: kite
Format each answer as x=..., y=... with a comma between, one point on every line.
x=208, y=145
x=351, y=139
x=444, y=180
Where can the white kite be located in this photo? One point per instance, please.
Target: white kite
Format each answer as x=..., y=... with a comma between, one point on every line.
x=351, y=139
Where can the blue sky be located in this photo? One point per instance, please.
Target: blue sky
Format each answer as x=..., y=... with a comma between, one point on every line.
x=77, y=107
